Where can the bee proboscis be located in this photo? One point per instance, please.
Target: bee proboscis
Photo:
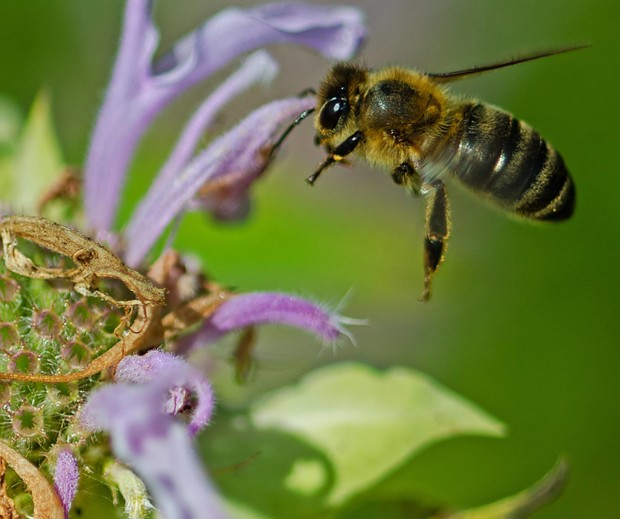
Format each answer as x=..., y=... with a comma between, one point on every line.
x=408, y=123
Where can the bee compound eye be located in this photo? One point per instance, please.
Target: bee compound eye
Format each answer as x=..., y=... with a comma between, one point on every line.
x=333, y=110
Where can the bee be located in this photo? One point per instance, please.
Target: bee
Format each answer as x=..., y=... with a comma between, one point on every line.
x=409, y=124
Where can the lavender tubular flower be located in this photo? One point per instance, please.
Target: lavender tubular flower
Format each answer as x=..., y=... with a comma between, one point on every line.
x=258, y=67
x=157, y=365
x=140, y=89
x=157, y=402
x=151, y=441
x=66, y=478
x=258, y=308
x=242, y=154
x=271, y=307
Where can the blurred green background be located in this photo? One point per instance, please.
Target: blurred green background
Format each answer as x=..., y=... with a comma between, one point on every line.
x=524, y=318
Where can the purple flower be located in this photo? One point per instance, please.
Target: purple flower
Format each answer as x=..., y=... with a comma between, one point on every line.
x=157, y=366
x=158, y=401
x=140, y=410
x=140, y=88
x=258, y=308
x=234, y=160
x=66, y=478
x=258, y=67
x=155, y=444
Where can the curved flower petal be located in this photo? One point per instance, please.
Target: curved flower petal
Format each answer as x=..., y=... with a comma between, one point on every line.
x=235, y=159
x=66, y=477
x=139, y=89
x=335, y=31
x=258, y=67
x=258, y=308
x=151, y=442
x=121, y=121
x=181, y=378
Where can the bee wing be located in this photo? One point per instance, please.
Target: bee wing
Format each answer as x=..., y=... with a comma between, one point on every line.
x=483, y=150
x=446, y=77
x=444, y=160
x=478, y=148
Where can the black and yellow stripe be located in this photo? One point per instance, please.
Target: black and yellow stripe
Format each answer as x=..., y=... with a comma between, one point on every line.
x=505, y=160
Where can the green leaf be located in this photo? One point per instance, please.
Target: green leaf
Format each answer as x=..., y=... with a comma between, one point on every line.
x=131, y=487
x=523, y=504
x=10, y=122
x=38, y=159
x=366, y=422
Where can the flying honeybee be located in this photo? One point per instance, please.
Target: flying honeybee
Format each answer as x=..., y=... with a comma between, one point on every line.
x=406, y=122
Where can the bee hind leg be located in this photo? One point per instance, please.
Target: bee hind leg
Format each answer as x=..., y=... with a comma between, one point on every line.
x=437, y=231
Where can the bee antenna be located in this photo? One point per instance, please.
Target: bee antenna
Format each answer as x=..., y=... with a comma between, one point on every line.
x=286, y=132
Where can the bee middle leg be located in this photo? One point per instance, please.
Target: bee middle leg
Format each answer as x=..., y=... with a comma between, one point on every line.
x=437, y=231
x=405, y=175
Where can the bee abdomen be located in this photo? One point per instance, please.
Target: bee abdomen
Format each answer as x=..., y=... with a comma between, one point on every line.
x=505, y=160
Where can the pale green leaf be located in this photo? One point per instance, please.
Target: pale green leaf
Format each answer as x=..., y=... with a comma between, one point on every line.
x=240, y=511
x=38, y=159
x=523, y=504
x=131, y=487
x=367, y=422
x=10, y=124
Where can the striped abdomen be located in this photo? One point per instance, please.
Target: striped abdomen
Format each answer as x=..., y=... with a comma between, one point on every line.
x=505, y=160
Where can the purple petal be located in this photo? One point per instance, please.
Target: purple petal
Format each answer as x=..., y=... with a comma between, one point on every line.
x=139, y=90
x=240, y=153
x=228, y=205
x=66, y=478
x=123, y=118
x=181, y=378
x=258, y=67
x=155, y=445
x=335, y=31
x=259, y=308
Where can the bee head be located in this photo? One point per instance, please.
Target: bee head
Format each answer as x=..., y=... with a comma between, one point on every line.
x=337, y=94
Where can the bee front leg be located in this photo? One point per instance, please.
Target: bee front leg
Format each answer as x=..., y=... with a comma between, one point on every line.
x=437, y=231
x=338, y=154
